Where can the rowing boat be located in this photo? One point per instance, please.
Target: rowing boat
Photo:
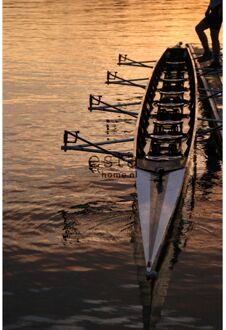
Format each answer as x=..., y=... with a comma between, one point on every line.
x=164, y=141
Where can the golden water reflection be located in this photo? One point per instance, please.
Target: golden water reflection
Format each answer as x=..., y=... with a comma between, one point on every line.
x=55, y=53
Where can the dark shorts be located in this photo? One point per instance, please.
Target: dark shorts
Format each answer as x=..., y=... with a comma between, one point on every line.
x=214, y=18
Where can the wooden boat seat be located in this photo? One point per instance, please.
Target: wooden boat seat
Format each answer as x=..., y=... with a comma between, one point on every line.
x=171, y=104
x=169, y=115
x=166, y=122
x=166, y=137
x=174, y=80
x=163, y=157
x=166, y=128
x=171, y=88
x=165, y=116
x=163, y=148
x=172, y=66
x=178, y=74
x=176, y=62
x=169, y=93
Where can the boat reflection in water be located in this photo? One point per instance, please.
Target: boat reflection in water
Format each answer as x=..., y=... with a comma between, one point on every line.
x=153, y=292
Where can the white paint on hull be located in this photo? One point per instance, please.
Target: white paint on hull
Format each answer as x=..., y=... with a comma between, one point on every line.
x=156, y=203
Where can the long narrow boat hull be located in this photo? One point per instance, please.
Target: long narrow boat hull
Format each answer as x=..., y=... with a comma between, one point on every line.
x=164, y=141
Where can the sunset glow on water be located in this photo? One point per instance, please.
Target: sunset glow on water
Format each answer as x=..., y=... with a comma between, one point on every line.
x=83, y=275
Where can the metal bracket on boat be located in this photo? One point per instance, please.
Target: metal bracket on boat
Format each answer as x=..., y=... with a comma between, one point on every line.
x=113, y=78
x=160, y=172
x=89, y=146
x=124, y=60
x=66, y=136
x=96, y=103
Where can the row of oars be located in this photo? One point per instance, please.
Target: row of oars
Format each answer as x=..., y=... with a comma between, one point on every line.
x=96, y=103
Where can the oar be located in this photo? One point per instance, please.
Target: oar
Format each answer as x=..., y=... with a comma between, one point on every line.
x=208, y=71
x=215, y=90
x=210, y=120
x=111, y=79
x=124, y=60
x=110, y=107
x=215, y=95
x=98, y=148
x=201, y=132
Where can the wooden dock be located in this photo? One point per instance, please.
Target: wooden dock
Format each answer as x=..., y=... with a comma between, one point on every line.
x=210, y=85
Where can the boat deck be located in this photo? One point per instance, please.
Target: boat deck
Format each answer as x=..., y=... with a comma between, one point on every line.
x=210, y=85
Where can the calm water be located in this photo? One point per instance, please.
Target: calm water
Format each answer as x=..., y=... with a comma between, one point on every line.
x=68, y=240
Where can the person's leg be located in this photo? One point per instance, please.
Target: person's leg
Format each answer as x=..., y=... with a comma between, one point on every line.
x=214, y=33
x=200, y=28
x=215, y=21
x=216, y=48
